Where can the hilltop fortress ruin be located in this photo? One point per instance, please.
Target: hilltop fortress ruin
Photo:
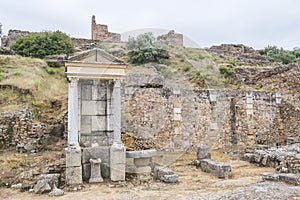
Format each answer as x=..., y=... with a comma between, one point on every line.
x=99, y=32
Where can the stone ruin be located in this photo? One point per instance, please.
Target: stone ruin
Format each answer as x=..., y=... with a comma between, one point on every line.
x=94, y=118
x=100, y=32
x=173, y=38
x=12, y=36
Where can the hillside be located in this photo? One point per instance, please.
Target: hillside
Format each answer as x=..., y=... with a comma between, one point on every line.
x=28, y=82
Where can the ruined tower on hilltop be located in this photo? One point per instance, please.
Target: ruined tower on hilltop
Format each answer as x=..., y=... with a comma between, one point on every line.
x=100, y=32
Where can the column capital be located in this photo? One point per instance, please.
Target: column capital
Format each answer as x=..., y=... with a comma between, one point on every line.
x=73, y=80
x=117, y=83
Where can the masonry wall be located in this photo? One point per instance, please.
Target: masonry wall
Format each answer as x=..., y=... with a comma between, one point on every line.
x=168, y=119
x=100, y=32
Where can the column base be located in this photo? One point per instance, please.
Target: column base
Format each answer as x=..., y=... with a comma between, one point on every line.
x=117, y=162
x=73, y=165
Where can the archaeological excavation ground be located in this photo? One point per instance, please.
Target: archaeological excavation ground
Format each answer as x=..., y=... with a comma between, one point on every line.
x=215, y=123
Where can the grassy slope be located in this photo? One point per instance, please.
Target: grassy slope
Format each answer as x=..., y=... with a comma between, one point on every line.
x=35, y=85
x=44, y=89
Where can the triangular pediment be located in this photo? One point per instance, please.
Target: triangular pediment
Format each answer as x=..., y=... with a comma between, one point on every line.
x=95, y=55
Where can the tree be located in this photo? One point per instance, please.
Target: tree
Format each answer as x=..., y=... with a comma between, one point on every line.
x=275, y=54
x=143, y=49
x=42, y=44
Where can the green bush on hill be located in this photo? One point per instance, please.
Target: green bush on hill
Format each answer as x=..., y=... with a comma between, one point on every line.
x=275, y=54
x=43, y=44
x=143, y=50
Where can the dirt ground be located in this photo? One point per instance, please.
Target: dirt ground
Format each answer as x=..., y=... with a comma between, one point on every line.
x=193, y=183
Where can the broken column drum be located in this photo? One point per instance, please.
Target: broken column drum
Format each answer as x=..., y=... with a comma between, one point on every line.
x=94, y=114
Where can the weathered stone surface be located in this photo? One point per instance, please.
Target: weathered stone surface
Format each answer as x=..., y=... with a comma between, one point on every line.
x=94, y=153
x=42, y=186
x=249, y=157
x=86, y=171
x=288, y=178
x=73, y=156
x=219, y=169
x=45, y=183
x=203, y=153
x=56, y=191
x=74, y=175
x=117, y=162
x=284, y=159
x=140, y=162
x=165, y=174
x=133, y=169
x=141, y=154
x=95, y=171
x=105, y=170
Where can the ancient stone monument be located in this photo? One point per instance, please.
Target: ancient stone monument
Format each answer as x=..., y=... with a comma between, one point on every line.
x=173, y=38
x=100, y=32
x=94, y=112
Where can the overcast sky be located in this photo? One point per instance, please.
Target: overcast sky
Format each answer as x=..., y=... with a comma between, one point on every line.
x=256, y=23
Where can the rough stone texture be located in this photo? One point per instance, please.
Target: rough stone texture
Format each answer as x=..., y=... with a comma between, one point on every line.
x=219, y=169
x=73, y=156
x=46, y=182
x=141, y=154
x=149, y=119
x=74, y=175
x=284, y=159
x=100, y=32
x=288, y=178
x=203, y=153
x=95, y=171
x=165, y=174
x=56, y=192
x=12, y=36
x=241, y=53
x=173, y=38
x=20, y=131
x=117, y=162
x=94, y=153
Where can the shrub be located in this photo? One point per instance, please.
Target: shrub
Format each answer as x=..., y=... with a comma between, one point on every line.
x=258, y=86
x=228, y=74
x=275, y=54
x=42, y=44
x=144, y=50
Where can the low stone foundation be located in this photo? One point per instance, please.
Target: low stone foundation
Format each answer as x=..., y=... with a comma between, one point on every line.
x=219, y=169
x=288, y=178
x=165, y=174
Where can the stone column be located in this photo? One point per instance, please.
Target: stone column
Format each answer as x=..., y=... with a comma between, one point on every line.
x=73, y=112
x=117, y=151
x=117, y=112
x=73, y=151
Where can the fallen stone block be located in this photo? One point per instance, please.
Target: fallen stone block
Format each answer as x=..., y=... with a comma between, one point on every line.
x=56, y=192
x=45, y=183
x=219, y=169
x=165, y=174
x=290, y=178
x=287, y=178
x=270, y=176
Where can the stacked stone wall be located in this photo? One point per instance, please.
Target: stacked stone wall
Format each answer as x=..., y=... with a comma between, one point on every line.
x=18, y=130
x=168, y=119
